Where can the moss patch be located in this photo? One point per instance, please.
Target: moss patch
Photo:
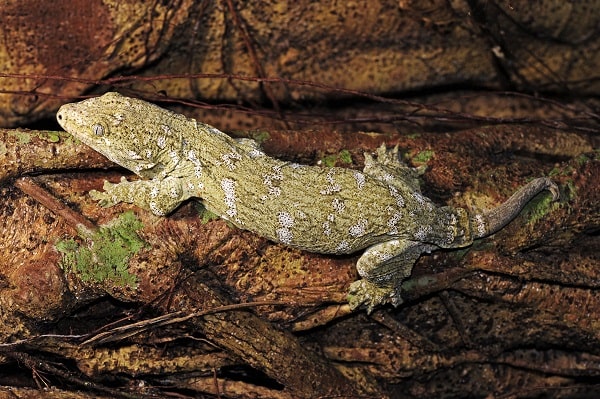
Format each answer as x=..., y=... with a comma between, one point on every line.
x=205, y=215
x=423, y=157
x=53, y=137
x=106, y=256
x=540, y=206
x=343, y=156
x=22, y=136
x=260, y=136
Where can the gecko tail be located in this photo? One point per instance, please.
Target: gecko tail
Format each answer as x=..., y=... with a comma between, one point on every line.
x=489, y=222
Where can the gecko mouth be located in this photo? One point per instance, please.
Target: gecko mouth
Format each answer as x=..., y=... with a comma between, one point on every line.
x=61, y=117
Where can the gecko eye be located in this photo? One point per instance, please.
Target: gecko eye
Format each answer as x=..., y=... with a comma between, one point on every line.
x=98, y=130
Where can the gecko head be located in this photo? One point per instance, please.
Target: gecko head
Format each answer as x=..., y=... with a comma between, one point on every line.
x=114, y=125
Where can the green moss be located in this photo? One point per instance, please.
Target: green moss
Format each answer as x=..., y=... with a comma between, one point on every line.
x=423, y=157
x=23, y=137
x=539, y=207
x=585, y=158
x=569, y=190
x=259, y=136
x=205, y=215
x=329, y=160
x=106, y=257
x=344, y=156
x=566, y=170
x=53, y=137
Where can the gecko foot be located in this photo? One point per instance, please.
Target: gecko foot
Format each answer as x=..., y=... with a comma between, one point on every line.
x=363, y=292
x=105, y=198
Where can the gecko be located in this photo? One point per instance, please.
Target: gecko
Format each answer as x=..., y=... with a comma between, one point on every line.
x=327, y=210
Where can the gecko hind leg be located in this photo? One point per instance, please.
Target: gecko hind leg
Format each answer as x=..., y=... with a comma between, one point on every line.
x=383, y=267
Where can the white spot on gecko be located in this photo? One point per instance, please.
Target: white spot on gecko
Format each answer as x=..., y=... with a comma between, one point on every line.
x=481, y=229
x=327, y=224
x=133, y=155
x=451, y=235
x=332, y=187
x=155, y=209
x=422, y=233
x=191, y=155
x=174, y=156
x=338, y=205
x=228, y=186
x=382, y=256
x=286, y=221
x=230, y=158
x=422, y=200
x=269, y=179
x=396, y=195
x=452, y=220
x=161, y=142
x=359, y=229
x=393, y=223
x=256, y=153
x=360, y=180
x=326, y=228
x=284, y=236
x=343, y=247
x=154, y=192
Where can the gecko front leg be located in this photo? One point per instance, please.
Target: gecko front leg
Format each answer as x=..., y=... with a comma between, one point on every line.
x=388, y=168
x=158, y=196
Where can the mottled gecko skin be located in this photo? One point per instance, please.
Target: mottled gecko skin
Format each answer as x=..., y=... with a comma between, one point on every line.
x=324, y=210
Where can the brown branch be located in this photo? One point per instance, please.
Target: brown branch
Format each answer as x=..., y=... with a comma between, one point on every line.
x=35, y=363
x=74, y=219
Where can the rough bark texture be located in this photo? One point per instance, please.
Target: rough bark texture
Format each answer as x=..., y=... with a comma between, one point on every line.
x=216, y=51
x=516, y=314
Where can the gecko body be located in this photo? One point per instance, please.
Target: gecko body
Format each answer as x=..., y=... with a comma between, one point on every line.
x=324, y=210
